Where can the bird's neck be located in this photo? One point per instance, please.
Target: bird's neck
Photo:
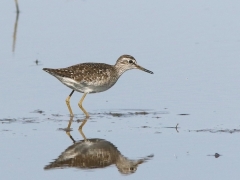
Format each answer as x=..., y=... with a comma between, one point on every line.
x=122, y=162
x=120, y=69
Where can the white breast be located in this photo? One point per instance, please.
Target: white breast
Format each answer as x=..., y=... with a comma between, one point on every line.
x=82, y=87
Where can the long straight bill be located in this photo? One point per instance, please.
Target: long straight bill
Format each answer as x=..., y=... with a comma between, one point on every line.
x=143, y=69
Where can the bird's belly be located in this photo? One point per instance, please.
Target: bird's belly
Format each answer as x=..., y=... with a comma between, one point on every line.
x=91, y=88
x=83, y=87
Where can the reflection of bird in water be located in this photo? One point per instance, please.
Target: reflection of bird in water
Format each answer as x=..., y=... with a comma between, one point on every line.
x=95, y=153
x=93, y=77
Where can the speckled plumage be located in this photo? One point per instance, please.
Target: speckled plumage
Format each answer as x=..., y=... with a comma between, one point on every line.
x=93, y=77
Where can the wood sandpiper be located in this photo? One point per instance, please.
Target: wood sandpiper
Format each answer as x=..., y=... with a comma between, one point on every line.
x=93, y=77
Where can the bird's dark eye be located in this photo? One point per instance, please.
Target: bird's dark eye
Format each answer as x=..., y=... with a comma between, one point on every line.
x=130, y=61
x=131, y=168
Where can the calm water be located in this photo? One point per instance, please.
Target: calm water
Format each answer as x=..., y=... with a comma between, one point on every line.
x=173, y=122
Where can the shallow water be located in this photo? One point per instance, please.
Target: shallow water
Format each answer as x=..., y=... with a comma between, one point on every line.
x=183, y=120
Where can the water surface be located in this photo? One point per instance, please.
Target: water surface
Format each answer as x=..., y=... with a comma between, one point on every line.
x=183, y=120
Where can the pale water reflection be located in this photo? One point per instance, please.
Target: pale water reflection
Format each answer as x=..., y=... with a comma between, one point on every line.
x=94, y=153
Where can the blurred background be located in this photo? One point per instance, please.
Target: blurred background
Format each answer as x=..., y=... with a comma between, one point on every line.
x=193, y=48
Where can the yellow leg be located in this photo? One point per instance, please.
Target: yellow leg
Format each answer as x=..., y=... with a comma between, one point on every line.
x=68, y=129
x=80, y=105
x=69, y=124
x=83, y=123
x=68, y=103
x=80, y=128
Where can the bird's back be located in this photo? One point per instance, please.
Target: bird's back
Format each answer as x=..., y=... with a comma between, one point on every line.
x=96, y=76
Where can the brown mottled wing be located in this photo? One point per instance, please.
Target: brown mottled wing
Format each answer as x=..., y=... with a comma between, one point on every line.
x=63, y=72
x=91, y=73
